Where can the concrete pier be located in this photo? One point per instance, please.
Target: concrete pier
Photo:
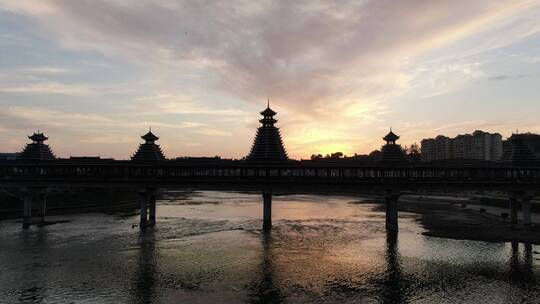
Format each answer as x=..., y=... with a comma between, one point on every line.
x=143, y=199
x=42, y=206
x=27, y=211
x=152, y=207
x=513, y=206
x=267, y=211
x=526, y=210
x=392, y=211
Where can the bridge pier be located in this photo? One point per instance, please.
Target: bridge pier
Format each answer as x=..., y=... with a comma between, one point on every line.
x=143, y=199
x=152, y=207
x=513, y=206
x=391, y=211
x=267, y=210
x=147, y=199
x=526, y=210
x=27, y=209
x=42, y=208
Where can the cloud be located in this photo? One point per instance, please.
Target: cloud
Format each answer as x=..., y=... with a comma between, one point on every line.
x=506, y=77
x=297, y=52
x=322, y=63
x=18, y=117
x=45, y=88
x=442, y=79
x=174, y=103
x=22, y=117
x=38, y=70
x=213, y=132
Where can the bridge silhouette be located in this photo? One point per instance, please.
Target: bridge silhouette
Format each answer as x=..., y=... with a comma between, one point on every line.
x=268, y=169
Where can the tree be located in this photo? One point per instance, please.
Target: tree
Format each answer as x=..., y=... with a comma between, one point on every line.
x=336, y=155
x=316, y=156
x=413, y=149
x=413, y=152
x=375, y=153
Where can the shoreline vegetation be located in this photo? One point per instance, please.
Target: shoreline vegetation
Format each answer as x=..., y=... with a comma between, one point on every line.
x=441, y=215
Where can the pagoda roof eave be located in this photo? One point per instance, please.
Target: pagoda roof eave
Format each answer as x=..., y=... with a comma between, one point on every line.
x=391, y=137
x=149, y=137
x=38, y=137
x=268, y=112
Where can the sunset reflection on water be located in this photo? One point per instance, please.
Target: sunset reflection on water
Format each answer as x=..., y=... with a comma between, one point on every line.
x=208, y=248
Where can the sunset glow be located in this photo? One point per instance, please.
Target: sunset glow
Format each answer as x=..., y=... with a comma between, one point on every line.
x=339, y=75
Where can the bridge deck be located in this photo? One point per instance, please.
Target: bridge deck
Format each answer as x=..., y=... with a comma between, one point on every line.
x=241, y=174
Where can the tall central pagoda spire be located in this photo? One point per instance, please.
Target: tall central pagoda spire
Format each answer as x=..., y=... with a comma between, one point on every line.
x=268, y=145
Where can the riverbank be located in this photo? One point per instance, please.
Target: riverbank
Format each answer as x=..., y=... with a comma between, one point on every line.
x=453, y=219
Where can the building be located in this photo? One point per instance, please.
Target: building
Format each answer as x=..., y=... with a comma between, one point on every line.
x=268, y=145
x=437, y=148
x=37, y=150
x=531, y=140
x=149, y=150
x=517, y=151
x=485, y=146
x=479, y=145
x=392, y=152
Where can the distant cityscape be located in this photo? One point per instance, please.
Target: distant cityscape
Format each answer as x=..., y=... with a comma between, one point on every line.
x=479, y=145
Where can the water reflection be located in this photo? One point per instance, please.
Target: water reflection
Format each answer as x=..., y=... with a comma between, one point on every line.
x=32, y=289
x=144, y=280
x=393, y=283
x=336, y=253
x=265, y=289
x=521, y=269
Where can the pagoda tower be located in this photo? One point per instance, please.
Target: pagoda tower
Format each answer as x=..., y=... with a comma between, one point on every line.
x=37, y=150
x=516, y=151
x=149, y=150
x=392, y=152
x=268, y=145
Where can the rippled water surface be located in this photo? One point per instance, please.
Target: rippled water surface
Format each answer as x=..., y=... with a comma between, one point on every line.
x=207, y=248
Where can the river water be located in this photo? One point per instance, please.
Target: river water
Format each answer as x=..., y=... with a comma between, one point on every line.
x=207, y=248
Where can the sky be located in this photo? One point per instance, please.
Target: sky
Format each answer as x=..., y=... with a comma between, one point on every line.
x=93, y=75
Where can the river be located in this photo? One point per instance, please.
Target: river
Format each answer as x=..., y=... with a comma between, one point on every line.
x=207, y=247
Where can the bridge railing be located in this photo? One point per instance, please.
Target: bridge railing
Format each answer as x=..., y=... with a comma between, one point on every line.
x=237, y=170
